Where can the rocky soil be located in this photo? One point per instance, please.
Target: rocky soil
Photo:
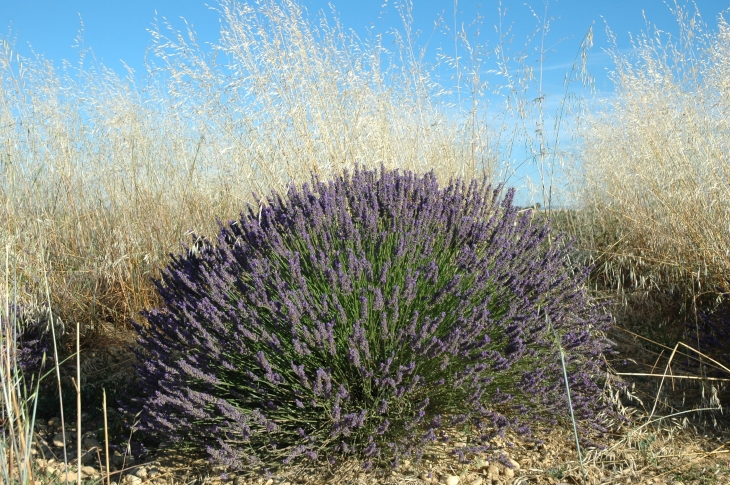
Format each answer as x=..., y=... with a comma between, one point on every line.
x=661, y=456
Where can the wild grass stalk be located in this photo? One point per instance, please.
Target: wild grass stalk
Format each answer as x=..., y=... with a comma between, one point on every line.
x=18, y=405
x=77, y=386
x=57, y=368
x=106, y=440
x=570, y=401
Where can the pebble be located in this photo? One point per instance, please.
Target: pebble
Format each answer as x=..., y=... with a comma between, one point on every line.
x=91, y=443
x=452, y=480
x=69, y=477
x=493, y=471
x=270, y=481
x=514, y=464
x=87, y=458
x=89, y=471
x=509, y=473
x=239, y=481
x=57, y=440
x=477, y=481
x=117, y=458
x=132, y=480
x=141, y=473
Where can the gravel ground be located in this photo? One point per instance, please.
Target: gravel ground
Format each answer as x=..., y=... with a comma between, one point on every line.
x=666, y=456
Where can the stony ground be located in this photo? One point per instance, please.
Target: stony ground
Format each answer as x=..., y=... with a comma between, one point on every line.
x=670, y=455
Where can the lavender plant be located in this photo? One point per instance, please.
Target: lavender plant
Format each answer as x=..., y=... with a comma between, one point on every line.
x=366, y=316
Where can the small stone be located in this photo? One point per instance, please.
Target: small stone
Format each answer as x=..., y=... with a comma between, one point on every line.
x=515, y=465
x=91, y=443
x=477, y=481
x=141, y=473
x=55, y=422
x=132, y=480
x=89, y=471
x=270, y=481
x=117, y=459
x=509, y=473
x=239, y=481
x=57, y=440
x=493, y=471
x=87, y=458
x=60, y=477
x=452, y=480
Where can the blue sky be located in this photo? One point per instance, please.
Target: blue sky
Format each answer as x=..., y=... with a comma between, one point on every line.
x=117, y=31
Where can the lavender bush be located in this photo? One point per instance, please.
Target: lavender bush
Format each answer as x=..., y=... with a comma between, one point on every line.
x=367, y=316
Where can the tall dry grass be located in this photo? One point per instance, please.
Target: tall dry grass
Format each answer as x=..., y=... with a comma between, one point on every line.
x=652, y=186
x=103, y=176
x=654, y=182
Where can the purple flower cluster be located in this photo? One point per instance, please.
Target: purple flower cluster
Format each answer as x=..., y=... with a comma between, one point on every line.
x=32, y=339
x=367, y=316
